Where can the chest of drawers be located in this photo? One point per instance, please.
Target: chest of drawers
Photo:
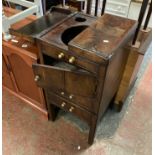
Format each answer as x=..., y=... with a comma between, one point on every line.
x=82, y=61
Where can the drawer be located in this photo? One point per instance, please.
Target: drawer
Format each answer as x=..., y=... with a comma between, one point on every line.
x=69, y=57
x=90, y=104
x=60, y=76
x=121, y=10
x=69, y=107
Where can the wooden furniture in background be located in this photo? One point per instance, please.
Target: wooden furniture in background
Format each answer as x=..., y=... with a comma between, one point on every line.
x=18, y=77
x=137, y=50
x=136, y=55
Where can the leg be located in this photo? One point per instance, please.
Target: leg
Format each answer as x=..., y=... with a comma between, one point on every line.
x=92, y=130
x=117, y=106
x=52, y=109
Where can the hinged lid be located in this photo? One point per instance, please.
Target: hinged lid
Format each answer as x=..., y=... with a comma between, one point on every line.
x=42, y=24
x=102, y=38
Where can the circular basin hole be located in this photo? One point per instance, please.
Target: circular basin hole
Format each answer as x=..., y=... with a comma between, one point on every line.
x=71, y=33
x=80, y=19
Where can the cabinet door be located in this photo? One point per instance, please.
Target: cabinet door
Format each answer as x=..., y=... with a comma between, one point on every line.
x=65, y=78
x=80, y=83
x=21, y=68
x=6, y=78
x=49, y=77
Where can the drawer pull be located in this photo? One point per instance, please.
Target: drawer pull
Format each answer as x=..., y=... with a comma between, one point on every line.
x=61, y=55
x=71, y=60
x=62, y=93
x=37, y=77
x=63, y=104
x=71, y=109
x=70, y=96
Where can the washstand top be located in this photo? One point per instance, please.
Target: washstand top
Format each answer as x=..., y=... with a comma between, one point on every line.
x=103, y=37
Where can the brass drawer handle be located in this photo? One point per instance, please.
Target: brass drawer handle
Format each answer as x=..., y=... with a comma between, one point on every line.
x=71, y=60
x=37, y=78
x=61, y=55
x=70, y=96
x=71, y=109
x=63, y=104
x=62, y=93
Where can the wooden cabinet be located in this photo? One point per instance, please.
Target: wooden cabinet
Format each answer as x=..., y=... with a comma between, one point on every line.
x=81, y=73
x=18, y=75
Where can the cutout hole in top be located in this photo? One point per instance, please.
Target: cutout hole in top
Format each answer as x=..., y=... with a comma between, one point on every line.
x=71, y=33
x=80, y=19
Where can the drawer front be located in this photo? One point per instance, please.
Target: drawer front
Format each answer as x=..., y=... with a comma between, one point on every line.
x=70, y=107
x=51, y=51
x=90, y=104
x=71, y=58
x=83, y=63
x=74, y=81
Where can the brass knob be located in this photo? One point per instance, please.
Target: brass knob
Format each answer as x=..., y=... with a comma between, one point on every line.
x=37, y=77
x=63, y=104
x=71, y=60
x=70, y=96
x=62, y=93
x=61, y=55
x=71, y=109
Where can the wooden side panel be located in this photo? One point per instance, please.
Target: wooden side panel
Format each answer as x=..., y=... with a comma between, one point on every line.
x=113, y=78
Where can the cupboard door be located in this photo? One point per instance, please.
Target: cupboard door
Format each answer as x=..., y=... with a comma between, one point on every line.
x=49, y=77
x=6, y=78
x=21, y=68
x=67, y=78
x=80, y=83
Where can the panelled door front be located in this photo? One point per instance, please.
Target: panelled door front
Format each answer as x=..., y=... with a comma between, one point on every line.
x=72, y=81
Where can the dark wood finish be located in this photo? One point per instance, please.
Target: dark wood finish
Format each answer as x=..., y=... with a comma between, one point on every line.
x=96, y=7
x=37, y=27
x=103, y=6
x=148, y=16
x=140, y=19
x=77, y=110
x=85, y=102
x=53, y=51
x=66, y=82
x=107, y=34
x=63, y=78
